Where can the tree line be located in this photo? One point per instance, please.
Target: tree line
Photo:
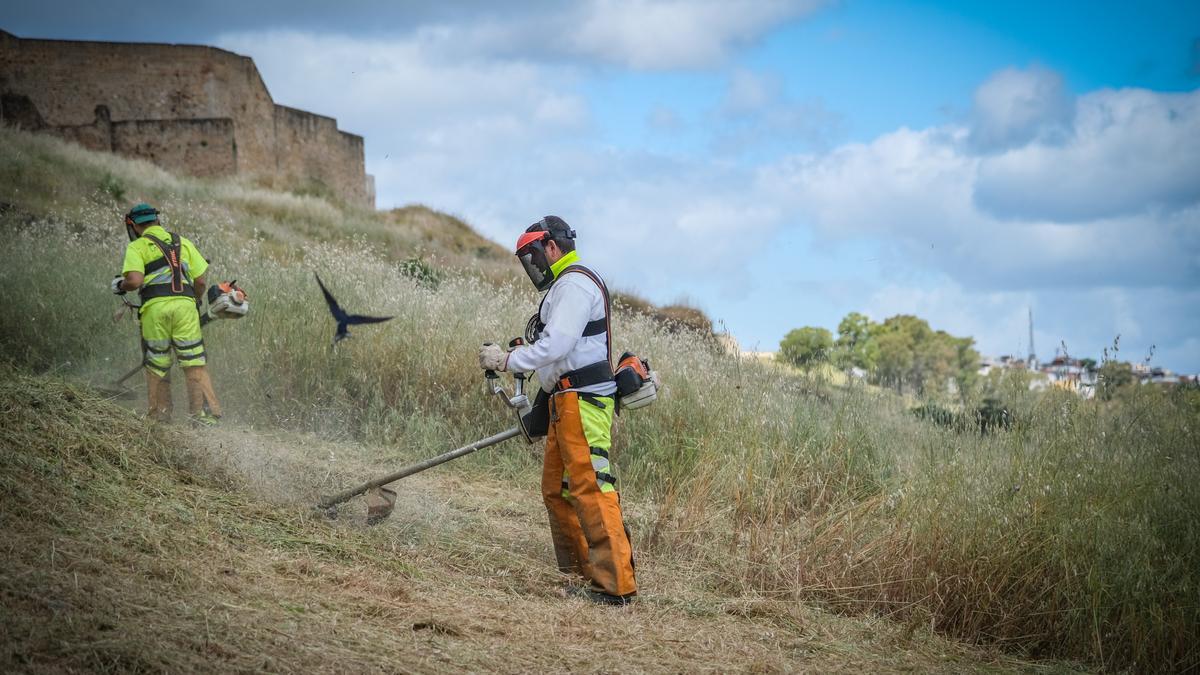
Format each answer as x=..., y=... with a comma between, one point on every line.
x=902, y=352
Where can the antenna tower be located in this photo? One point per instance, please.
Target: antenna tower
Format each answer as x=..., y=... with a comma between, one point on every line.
x=1032, y=354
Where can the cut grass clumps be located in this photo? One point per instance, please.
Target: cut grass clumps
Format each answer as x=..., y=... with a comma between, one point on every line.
x=123, y=551
x=1072, y=534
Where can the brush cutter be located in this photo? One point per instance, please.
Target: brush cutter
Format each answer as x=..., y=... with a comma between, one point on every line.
x=225, y=301
x=381, y=500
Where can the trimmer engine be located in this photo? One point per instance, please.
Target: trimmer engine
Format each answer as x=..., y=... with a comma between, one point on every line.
x=227, y=301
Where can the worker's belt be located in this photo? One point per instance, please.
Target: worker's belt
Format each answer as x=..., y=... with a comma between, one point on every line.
x=164, y=290
x=596, y=373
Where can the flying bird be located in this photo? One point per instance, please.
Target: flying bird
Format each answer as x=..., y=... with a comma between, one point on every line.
x=344, y=320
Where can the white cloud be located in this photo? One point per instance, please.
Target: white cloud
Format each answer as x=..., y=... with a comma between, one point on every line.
x=658, y=34
x=503, y=142
x=1116, y=202
x=886, y=186
x=756, y=112
x=1014, y=107
x=397, y=86
x=1129, y=151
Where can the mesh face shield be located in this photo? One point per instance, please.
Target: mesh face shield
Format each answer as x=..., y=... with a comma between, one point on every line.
x=533, y=259
x=140, y=215
x=532, y=252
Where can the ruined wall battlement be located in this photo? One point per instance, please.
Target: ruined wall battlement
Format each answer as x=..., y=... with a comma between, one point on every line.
x=194, y=109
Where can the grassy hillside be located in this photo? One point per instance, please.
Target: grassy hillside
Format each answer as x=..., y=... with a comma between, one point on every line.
x=748, y=486
x=129, y=548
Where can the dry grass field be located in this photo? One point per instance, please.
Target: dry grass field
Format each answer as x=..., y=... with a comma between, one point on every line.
x=782, y=521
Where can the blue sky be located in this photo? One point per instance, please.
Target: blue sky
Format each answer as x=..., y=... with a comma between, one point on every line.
x=778, y=163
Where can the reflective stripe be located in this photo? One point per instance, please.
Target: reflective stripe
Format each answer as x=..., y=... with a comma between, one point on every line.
x=599, y=462
x=161, y=362
x=163, y=275
x=161, y=283
x=158, y=346
x=172, y=324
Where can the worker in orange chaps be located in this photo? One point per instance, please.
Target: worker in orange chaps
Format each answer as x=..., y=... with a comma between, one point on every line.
x=570, y=350
x=585, y=509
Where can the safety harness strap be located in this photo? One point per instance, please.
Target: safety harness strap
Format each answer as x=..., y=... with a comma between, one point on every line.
x=156, y=265
x=593, y=325
x=600, y=371
x=179, y=285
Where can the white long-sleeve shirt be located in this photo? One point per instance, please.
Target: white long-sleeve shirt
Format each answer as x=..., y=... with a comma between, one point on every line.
x=572, y=302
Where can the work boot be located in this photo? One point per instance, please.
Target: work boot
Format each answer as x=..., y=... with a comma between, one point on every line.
x=204, y=419
x=201, y=396
x=601, y=598
x=158, y=396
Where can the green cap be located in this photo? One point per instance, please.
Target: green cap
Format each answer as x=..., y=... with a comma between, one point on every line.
x=143, y=213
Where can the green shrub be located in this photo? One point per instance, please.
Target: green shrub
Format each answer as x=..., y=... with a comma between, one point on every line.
x=113, y=188
x=423, y=273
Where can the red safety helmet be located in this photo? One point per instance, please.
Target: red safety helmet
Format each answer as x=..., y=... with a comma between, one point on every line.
x=532, y=253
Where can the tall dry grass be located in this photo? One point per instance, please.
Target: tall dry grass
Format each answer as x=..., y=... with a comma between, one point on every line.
x=1073, y=535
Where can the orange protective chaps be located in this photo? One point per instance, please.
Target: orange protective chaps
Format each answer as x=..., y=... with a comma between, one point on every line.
x=580, y=495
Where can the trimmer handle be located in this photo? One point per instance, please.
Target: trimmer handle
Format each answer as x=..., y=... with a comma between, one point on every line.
x=490, y=374
x=519, y=377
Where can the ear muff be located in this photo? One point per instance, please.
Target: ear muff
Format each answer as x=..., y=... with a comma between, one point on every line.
x=555, y=228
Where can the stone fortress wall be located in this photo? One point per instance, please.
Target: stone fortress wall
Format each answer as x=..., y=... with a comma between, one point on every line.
x=198, y=110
